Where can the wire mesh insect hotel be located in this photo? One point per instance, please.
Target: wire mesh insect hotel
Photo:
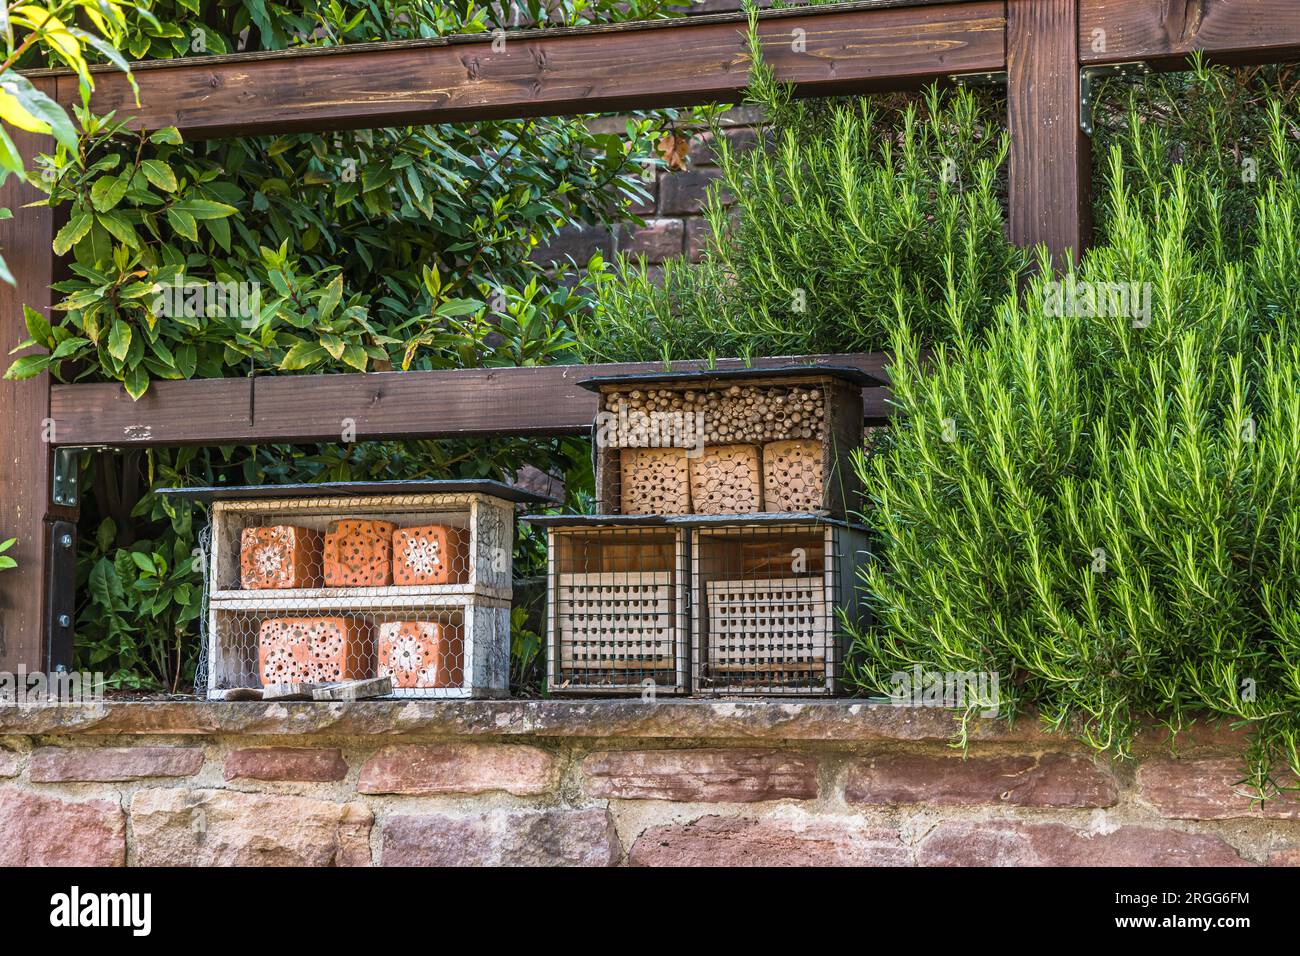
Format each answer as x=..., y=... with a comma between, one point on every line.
x=319, y=584
x=721, y=561
x=617, y=605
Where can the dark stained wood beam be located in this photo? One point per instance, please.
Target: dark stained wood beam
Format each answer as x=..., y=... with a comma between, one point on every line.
x=1164, y=32
x=544, y=400
x=1050, y=163
x=834, y=49
x=26, y=449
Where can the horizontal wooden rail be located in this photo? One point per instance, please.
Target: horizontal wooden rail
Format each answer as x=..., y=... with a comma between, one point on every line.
x=1164, y=32
x=643, y=65
x=543, y=400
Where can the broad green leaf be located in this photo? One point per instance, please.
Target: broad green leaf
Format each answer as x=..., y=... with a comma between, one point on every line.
x=28, y=366
x=73, y=232
x=38, y=327
x=160, y=174
x=26, y=107
x=205, y=208
x=107, y=192
x=119, y=339
x=136, y=381
x=302, y=355
x=183, y=223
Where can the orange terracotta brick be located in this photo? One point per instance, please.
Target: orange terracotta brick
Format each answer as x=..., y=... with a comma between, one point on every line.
x=279, y=556
x=359, y=554
x=421, y=654
x=312, y=649
x=432, y=554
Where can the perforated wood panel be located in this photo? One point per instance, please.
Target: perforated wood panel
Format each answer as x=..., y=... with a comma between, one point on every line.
x=615, y=622
x=725, y=480
x=655, y=481
x=768, y=625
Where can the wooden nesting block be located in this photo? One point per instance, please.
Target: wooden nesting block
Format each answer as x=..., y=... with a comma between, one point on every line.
x=793, y=476
x=359, y=554
x=432, y=554
x=279, y=556
x=421, y=654
x=725, y=480
x=312, y=650
x=654, y=481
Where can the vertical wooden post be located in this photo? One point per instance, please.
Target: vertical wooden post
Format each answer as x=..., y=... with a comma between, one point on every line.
x=1051, y=159
x=26, y=451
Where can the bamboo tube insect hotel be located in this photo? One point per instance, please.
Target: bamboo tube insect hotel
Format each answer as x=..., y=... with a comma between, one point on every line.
x=736, y=441
x=324, y=583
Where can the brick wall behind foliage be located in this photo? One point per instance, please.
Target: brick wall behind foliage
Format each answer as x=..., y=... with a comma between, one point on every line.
x=674, y=221
x=609, y=783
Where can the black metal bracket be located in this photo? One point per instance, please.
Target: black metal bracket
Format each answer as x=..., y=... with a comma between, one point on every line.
x=61, y=598
x=67, y=460
x=1088, y=77
x=996, y=78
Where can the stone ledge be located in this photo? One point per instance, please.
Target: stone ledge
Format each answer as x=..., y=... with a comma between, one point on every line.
x=765, y=720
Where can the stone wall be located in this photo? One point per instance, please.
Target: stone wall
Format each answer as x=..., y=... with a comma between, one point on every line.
x=607, y=783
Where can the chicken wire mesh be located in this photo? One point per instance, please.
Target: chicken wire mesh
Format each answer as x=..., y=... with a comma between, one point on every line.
x=415, y=588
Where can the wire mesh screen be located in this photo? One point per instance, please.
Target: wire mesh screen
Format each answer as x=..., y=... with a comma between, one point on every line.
x=740, y=448
x=617, y=610
x=328, y=590
x=770, y=606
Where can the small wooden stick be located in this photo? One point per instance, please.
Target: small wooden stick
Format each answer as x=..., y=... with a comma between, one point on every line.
x=355, y=689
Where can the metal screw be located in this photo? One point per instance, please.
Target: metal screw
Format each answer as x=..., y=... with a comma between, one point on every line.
x=64, y=620
x=65, y=541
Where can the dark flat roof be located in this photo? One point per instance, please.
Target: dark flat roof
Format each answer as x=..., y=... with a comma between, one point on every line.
x=847, y=373
x=361, y=489
x=692, y=521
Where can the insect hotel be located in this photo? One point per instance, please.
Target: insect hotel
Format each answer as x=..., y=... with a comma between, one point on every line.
x=312, y=585
x=721, y=561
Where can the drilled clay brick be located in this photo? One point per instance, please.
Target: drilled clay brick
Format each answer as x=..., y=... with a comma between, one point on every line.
x=312, y=649
x=421, y=654
x=279, y=556
x=724, y=480
x=432, y=554
x=792, y=476
x=654, y=481
x=359, y=554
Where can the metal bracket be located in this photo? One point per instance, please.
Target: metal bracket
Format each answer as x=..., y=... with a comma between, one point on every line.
x=1088, y=77
x=998, y=78
x=66, y=462
x=61, y=597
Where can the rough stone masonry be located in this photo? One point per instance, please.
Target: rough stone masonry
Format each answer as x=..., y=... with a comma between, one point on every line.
x=608, y=783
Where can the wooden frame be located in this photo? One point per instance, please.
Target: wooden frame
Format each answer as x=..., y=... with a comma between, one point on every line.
x=844, y=48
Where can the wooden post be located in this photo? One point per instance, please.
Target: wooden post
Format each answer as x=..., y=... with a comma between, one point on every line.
x=1051, y=159
x=26, y=452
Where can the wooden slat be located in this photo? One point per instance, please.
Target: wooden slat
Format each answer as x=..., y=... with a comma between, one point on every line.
x=25, y=452
x=840, y=48
x=1050, y=162
x=1164, y=32
x=470, y=402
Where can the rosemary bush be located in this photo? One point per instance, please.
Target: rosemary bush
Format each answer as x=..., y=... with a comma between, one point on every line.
x=859, y=215
x=1104, y=509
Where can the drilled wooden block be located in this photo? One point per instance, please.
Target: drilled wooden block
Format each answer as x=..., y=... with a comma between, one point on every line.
x=421, y=654
x=312, y=650
x=432, y=554
x=359, y=554
x=654, y=481
x=793, y=476
x=279, y=556
x=725, y=480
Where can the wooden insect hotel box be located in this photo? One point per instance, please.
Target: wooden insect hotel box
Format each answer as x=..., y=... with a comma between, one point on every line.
x=342, y=581
x=774, y=603
x=734, y=441
x=617, y=618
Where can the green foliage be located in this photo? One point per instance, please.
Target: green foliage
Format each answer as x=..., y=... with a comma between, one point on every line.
x=1102, y=509
x=69, y=33
x=358, y=251
x=7, y=562
x=858, y=216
